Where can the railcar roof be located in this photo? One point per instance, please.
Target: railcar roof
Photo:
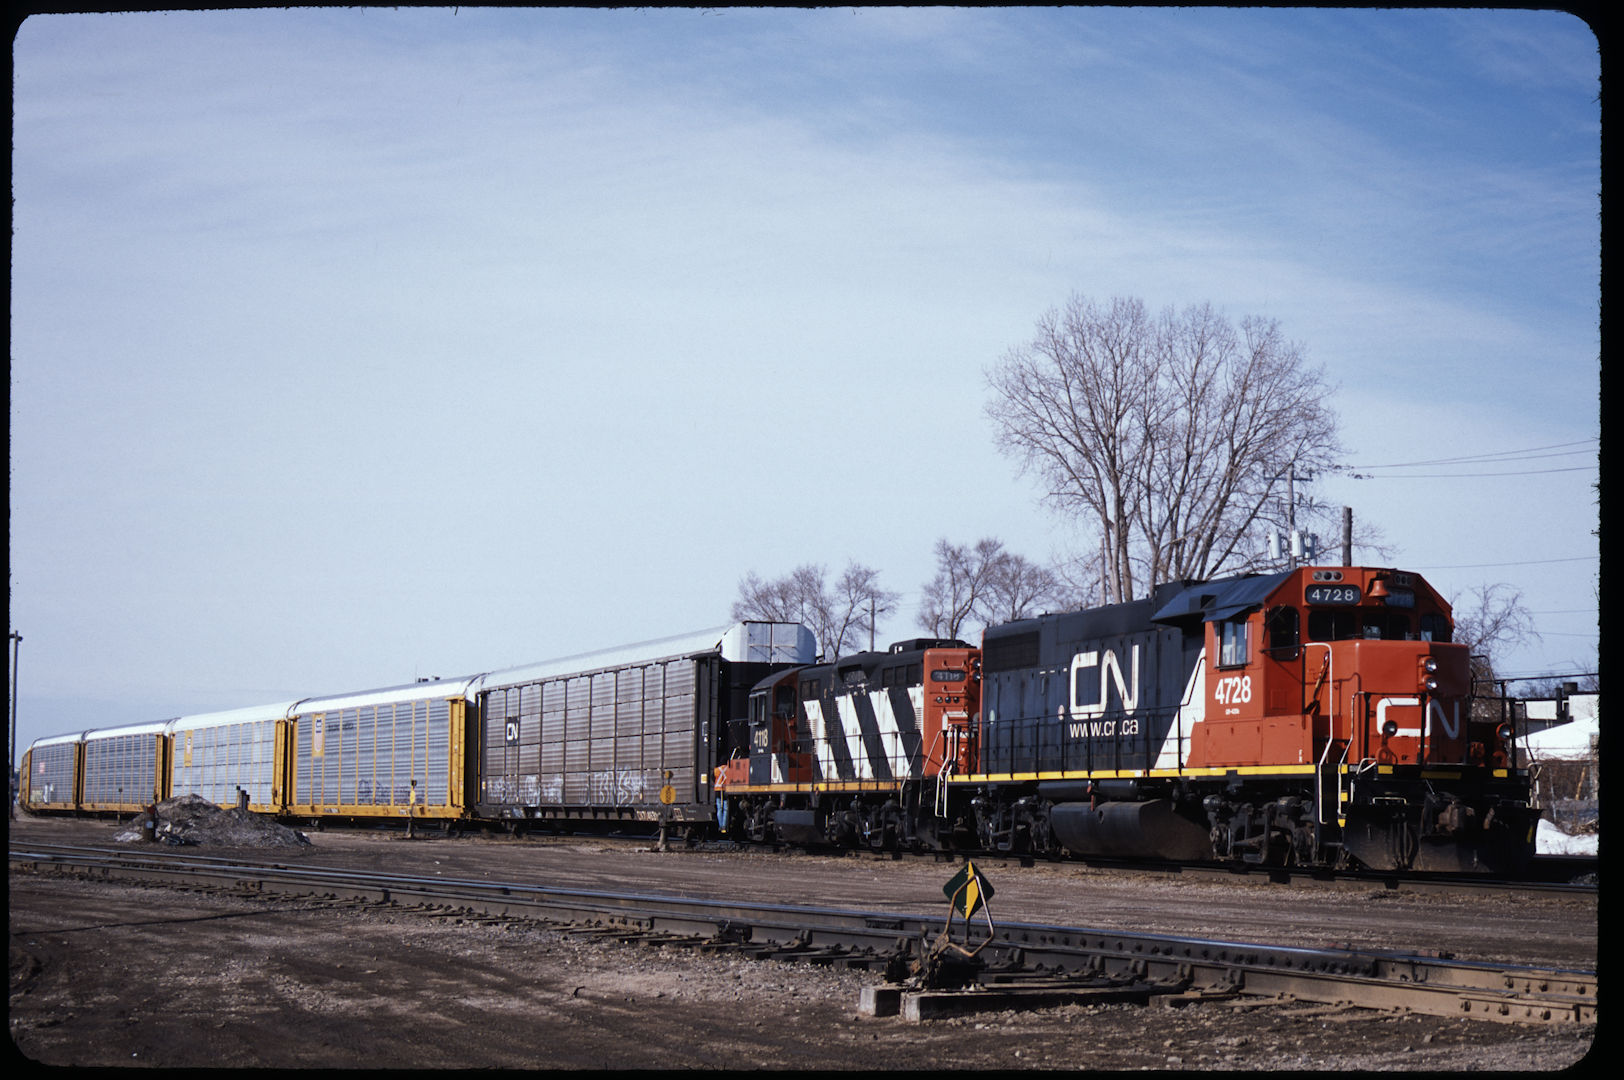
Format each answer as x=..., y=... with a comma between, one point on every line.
x=152, y=727
x=745, y=641
x=248, y=714
x=53, y=740
x=431, y=690
x=1219, y=599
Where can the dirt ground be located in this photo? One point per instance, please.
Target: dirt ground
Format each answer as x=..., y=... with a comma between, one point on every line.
x=120, y=975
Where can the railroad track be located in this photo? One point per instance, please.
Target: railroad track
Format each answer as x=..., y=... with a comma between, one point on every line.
x=1552, y=875
x=1015, y=964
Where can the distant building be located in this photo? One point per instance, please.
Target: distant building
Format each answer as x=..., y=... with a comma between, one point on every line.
x=1563, y=741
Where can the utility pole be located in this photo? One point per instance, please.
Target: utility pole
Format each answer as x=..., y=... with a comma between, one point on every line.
x=1347, y=536
x=1294, y=546
x=1291, y=516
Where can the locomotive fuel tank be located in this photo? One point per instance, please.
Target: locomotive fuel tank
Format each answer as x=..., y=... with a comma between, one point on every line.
x=1128, y=829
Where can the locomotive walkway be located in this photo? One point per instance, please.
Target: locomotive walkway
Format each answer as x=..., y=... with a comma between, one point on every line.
x=1015, y=965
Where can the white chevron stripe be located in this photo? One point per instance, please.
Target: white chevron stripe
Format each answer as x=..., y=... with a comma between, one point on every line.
x=820, y=737
x=890, y=735
x=847, y=708
x=1192, y=710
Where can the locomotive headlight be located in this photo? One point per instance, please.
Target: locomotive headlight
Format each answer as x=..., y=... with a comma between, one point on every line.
x=1389, y=729
x=1430, y=683
x=1430, y=664
x=1504, y=732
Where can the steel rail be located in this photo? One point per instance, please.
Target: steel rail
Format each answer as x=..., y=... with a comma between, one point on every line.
x=1571, y=867
x=1010, y=954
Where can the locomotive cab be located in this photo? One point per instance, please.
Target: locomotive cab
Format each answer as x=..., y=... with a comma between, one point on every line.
x=1338, y=712
x=1339, y=664
x=1357, y=676
x=1393, y=689
x=776, y=752
x=950, y=705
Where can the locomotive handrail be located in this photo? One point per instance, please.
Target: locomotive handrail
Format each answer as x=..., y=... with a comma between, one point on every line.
x=938, y=801
x=1327, y=676
x=1426, y=722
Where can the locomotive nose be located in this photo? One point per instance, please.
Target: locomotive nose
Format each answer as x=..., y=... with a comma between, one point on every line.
x=1444, y=670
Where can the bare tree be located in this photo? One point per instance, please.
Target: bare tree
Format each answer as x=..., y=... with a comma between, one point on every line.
x=858, y=604
x=1172, y=434
x=1022, y=588
x=950, y=599
x=1493, y=620
x=986, y=584
x=843, y=616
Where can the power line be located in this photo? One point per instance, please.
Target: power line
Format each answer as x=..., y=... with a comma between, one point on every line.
x=1496, y=455
x=1465, y=475
x=1524, y=562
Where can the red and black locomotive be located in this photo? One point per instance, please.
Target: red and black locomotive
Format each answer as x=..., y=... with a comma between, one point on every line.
x=1318, y=716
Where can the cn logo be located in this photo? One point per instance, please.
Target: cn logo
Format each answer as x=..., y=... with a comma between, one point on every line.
x=510, y=732
x=1109, y=672
x=1449, y=724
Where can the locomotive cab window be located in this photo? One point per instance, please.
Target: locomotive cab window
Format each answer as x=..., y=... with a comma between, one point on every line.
x=1341, y=624
x=1434, y=627
x=1332, y=624
x=1283, y=628
x=784, y=700
x=1232, y=645
x=1387, y=626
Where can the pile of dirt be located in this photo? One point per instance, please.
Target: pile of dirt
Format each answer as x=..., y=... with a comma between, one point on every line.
x=192, y=819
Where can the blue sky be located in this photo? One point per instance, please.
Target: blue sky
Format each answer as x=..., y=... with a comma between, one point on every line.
x=354, y=346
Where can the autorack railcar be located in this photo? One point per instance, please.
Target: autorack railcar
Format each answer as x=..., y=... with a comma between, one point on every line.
x=49, y=775
x=231, y=758
x=399, y=751
x=121, y=768
x=630, y=734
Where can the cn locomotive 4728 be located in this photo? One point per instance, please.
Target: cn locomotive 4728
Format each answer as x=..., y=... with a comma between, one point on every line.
x=1318, y=716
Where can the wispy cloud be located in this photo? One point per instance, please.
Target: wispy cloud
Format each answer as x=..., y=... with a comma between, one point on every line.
x=476, y=333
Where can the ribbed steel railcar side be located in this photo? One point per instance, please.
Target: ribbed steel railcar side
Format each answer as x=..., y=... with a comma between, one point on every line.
x=219, y=756
x=49, y=774
x=603, y=735
x=123, y=768
x=398, y=752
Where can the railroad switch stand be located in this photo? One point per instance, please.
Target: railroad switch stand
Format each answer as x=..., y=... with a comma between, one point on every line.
x=967, y=893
